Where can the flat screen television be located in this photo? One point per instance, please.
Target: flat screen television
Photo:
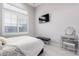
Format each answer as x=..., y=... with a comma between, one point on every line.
x=44, y=18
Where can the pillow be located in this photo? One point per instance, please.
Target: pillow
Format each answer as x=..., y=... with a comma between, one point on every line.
x=2, y=40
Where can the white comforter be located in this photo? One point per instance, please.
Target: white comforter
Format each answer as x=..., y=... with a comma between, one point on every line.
x=27, y=45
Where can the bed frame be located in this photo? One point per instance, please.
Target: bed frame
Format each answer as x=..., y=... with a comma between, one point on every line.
x=42, y=50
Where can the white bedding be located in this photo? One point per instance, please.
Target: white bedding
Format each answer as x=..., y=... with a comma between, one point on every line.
x=29, y=46
x=9, y=50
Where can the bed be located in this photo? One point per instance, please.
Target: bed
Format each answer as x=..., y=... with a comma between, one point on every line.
x=22, y=46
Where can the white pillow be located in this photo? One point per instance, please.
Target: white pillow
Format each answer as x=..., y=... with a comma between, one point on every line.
x=3, y=40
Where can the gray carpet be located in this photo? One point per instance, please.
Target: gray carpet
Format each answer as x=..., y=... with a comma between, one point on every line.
x=51, y=50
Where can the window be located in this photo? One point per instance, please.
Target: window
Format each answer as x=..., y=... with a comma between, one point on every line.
x=14, y=21
x=22, y=23
x=10, y=22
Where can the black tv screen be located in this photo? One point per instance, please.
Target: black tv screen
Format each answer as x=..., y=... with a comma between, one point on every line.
x=44, y=18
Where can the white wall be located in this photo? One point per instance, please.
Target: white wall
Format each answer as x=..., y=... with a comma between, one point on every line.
x=61, y=16
x=30, y=11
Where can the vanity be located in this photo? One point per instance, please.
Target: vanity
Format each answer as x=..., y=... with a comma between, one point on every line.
x=70, y=40
x=70, y=43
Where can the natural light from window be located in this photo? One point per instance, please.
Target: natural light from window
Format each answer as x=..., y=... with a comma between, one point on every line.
x=14, y=20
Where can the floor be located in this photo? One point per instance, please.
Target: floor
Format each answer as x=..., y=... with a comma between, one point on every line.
x=51, y=50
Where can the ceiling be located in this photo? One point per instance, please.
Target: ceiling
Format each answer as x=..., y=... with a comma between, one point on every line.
x=34, y=4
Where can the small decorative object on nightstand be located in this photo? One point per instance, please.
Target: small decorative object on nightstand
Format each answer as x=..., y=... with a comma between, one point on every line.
x=70, y=39
x=44, y=39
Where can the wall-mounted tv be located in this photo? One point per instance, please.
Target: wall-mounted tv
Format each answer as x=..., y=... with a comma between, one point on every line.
x=44, y=18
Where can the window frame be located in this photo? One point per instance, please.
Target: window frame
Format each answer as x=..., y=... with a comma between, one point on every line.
x=14, y=33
